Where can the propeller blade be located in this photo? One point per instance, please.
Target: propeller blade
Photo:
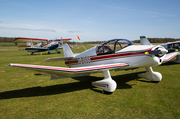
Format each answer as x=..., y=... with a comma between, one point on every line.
x=153, y=52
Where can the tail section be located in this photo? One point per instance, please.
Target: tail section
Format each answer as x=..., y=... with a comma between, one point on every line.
x=67, y=51
x=144, y=41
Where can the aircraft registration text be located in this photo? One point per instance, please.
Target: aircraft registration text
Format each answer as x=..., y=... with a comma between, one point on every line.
x=84, y=60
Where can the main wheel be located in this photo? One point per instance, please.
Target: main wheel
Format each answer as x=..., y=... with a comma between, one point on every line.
x=155, y=81
x=106, y=92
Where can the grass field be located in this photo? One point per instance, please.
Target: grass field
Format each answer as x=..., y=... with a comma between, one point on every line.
x=10, y=44
x=24, y=95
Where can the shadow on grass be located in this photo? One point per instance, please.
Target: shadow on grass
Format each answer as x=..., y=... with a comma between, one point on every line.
x=84, y=83
x=168, y=63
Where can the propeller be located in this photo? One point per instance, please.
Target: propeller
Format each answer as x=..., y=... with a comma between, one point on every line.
x=154, y=52
x=159, y=52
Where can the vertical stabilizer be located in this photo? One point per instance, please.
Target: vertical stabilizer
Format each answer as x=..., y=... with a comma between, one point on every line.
x=144, y=41
x=67, y=50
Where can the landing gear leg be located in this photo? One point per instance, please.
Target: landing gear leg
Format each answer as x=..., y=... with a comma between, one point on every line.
x=57, y=51
x=107, y=84
x=155, y=77
x=49, y=51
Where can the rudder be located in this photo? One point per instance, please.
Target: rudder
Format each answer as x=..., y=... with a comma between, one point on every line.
x=144, y=41
x=67, y=50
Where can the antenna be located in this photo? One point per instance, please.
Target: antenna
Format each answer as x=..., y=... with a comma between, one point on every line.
x=81, y=43
x=61, y=40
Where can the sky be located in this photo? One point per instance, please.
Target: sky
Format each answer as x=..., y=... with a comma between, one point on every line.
x=91, y=20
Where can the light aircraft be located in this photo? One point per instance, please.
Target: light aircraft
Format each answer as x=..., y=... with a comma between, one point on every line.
x=116, y=54
x=172, y=47
x=42, y=44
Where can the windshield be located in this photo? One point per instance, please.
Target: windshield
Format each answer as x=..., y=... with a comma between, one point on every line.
x=173, y=45
x=112, y=46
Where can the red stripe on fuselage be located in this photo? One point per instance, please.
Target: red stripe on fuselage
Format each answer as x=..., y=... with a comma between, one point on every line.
x=71, y=62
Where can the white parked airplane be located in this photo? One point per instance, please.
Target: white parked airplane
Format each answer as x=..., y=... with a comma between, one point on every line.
x=172, y=47
x=116, y=54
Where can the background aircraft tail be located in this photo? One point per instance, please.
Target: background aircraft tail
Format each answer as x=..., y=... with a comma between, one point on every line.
x=67, y=51
x=144, y=41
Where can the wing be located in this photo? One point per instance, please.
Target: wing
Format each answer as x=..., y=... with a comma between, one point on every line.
x=36, y=40
x=64, y=39
x=170, y=56
x=57, y=59
x=62, y=71
x=36, y=48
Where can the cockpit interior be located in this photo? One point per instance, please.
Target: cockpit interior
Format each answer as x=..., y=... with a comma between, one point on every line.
x=112, y=46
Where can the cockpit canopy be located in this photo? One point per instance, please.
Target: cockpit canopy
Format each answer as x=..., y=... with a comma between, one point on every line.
x=173, y=45
x=112, y=46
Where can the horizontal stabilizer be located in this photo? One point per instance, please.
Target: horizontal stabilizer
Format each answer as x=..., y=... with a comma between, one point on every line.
x=54, y=77
x=57, y=59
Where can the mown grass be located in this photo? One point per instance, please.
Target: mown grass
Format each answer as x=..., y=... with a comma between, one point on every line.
x=24, y=95
x=10, y=44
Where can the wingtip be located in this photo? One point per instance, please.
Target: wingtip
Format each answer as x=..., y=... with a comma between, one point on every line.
x=10, y=64
x=45, y=60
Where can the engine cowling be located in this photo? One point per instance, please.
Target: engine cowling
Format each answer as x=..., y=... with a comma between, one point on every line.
x=159, y=52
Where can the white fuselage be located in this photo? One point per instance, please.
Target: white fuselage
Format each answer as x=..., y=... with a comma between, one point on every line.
x=133, y=55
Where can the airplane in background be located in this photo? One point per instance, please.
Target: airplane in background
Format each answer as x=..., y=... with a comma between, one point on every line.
x=115, y=54
x=41, y=44
x=172, y=47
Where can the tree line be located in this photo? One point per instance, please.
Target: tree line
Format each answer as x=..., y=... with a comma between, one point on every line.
x=7, y=39
x=151, y=40
x=158, y=40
